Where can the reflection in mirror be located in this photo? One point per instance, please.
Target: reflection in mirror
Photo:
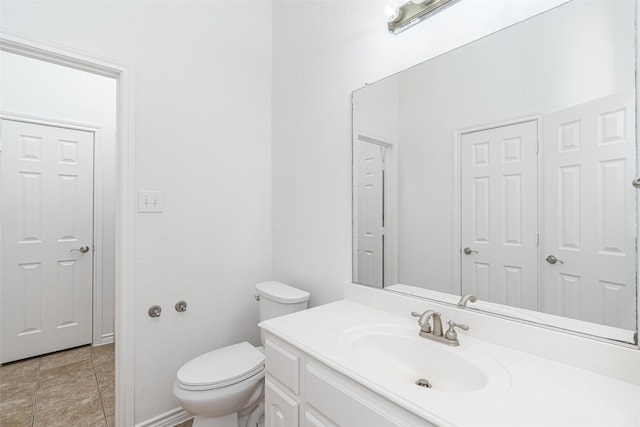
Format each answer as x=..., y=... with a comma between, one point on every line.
x=504, y=169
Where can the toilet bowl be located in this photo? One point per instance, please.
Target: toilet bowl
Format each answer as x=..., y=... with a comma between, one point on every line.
x=225, y=387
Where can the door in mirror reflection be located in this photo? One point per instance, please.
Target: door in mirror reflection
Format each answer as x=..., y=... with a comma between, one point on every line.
x=499, y=214
x=370, y=245
x=590, y=212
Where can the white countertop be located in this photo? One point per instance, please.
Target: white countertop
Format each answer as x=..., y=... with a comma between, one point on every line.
x=538, y=392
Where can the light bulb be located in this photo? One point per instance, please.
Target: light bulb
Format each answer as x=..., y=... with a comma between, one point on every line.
x=393, y=13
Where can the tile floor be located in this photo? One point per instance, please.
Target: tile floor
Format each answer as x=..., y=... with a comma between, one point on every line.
x=69, y=388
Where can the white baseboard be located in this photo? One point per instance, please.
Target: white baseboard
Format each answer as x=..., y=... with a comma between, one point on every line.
x=168, y=419
x=107, y=339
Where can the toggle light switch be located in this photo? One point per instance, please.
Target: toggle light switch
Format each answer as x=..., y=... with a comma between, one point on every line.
x=149, y=201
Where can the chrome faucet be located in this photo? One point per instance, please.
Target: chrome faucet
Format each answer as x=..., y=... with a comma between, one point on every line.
x=465, y=298
x=435, y=332
x=425, y=326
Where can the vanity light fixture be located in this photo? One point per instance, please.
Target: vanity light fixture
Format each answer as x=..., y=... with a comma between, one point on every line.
x=402, y=17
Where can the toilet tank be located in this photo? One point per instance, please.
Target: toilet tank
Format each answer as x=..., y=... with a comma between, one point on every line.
x=277, y=299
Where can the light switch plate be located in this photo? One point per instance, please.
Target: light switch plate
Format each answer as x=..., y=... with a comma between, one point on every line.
x=150, y=201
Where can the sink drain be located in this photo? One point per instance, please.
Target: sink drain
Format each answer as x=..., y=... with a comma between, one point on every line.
x=423, y=383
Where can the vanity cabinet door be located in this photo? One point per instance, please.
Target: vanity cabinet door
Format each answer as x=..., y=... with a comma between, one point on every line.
x=281, y=410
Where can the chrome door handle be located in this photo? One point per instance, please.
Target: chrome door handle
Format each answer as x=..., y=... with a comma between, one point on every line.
x=551, y=259
x=83, y=249
x=469, y=251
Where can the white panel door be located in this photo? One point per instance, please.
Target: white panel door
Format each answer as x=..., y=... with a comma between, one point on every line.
x=46, y=216
x=499, y=220
x=370, y=214
x=590, y=220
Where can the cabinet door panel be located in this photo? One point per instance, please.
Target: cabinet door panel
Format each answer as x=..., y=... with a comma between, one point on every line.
x=281, y=410
x=283, y=364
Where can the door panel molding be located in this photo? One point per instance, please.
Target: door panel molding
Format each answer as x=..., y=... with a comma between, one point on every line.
x=44, y=174
x=498, y=214
x=98, y=233
x=456, y=168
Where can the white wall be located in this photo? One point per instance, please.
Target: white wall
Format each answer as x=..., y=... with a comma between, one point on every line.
x=203, y=124
x=55, y=92
x=322, y=51
x=376, y=111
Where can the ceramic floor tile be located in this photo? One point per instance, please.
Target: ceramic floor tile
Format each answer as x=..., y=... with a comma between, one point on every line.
x=103, y=355
x=108, y=396
x=18, y=409
x=70, y=388
x=18, y=387
x=66, y=357
x=65, y=373
x=106, y=378
x=66, y=393
x=87, y=412
x=23, y=369
x=16, y=421
x=18, y=379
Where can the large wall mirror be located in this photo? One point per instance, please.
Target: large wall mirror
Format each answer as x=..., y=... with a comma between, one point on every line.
x=504, y=169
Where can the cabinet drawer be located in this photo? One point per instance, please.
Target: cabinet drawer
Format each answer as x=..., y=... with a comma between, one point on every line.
x=346, y=403
x=283, y=364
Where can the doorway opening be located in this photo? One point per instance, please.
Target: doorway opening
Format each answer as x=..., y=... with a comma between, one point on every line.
x=375, y=207
x=124, y=198
x=57, y=188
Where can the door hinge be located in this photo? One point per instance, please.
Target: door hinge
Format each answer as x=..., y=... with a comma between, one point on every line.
x=538, y=239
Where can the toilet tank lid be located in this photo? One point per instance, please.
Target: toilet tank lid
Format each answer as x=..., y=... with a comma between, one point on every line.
x=280, y=292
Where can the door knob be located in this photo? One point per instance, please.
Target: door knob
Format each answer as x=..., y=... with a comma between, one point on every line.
x=469, y=251
x=551, y=259
x=83, y=249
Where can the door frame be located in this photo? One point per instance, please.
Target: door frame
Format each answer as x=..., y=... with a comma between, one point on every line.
x=97, y=230
x=458, y=133
x=124, y=314
x=390, y=248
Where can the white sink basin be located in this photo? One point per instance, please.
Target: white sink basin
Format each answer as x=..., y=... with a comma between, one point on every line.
x=401, y=355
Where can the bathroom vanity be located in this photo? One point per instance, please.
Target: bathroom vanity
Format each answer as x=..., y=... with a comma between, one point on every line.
x=303, y=391
x=350, y=364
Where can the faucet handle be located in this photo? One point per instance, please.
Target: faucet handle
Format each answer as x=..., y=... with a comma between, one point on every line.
x=451, y=333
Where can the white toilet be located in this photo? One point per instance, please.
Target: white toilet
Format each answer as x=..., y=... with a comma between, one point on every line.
x=225, y=387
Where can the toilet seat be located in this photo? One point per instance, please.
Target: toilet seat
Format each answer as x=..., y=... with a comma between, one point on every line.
x=221, y=368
